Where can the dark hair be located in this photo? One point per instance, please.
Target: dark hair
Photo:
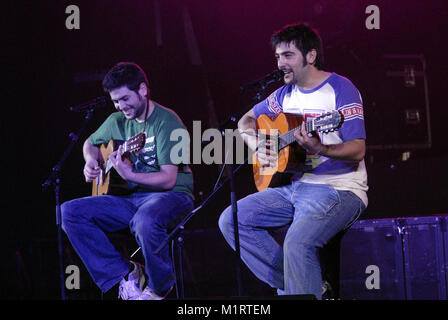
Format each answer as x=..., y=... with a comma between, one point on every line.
x=304, y=38
x=127, y=74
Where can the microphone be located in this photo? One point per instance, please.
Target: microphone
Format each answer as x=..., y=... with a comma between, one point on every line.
x=263, y=82
x=94, y=103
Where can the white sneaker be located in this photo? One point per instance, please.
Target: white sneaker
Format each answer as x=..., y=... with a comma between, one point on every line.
x=132, y=288
x=148, y=294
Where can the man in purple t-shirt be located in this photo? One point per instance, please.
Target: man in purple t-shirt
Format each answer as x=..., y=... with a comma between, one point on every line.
x=320, y=201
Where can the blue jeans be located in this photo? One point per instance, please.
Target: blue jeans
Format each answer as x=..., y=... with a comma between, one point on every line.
x=148, y=215
x=316, y=213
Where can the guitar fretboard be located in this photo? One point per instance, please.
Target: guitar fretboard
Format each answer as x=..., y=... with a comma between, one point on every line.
x=287, y=138
x=109, y=165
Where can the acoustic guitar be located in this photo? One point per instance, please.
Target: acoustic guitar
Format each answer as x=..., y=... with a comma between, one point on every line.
x=109, y=182
x=279, y=131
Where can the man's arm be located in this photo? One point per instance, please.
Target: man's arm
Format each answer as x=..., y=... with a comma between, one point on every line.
x=353, y=150
x=91, y=156
x=247, y=128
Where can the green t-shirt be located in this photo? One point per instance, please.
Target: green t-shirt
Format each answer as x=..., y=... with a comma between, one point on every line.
x=157, y=148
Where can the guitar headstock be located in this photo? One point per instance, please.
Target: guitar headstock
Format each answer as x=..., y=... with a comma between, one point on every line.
x=135, y=143
x=328, y=122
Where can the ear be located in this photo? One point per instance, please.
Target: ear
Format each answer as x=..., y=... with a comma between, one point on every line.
x=143, y=90
x=311, y=56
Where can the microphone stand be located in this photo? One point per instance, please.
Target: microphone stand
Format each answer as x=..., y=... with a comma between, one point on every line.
x=178, y=230
x=55, y=181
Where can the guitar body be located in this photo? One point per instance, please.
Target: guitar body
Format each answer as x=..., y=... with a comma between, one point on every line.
x=290, y=158
x=108, y=182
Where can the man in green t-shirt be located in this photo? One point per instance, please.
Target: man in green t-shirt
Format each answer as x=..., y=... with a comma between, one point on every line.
x=160, y=192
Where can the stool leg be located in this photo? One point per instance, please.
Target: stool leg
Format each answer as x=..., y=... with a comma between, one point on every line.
x=180, y=242
x=176, y=250
x=173, y=258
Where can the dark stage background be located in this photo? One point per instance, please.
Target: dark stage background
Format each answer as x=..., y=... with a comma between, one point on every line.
x=197, y=54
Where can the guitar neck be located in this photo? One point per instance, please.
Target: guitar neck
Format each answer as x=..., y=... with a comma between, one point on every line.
x=287, y=138
x=108, y=164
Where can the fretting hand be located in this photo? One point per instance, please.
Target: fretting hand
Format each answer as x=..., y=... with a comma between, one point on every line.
x=310, y=142
x=123, y=167
x=267, y=154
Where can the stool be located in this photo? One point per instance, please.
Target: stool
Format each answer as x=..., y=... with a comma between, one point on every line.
x=176, y=247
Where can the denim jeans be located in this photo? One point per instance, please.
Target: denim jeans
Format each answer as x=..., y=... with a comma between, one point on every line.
x=86, y=221
x=316, y=213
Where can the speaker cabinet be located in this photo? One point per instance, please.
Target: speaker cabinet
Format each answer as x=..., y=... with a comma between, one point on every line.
x=398, y=258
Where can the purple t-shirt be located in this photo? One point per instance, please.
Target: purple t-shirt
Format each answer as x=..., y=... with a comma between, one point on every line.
x=335, y=93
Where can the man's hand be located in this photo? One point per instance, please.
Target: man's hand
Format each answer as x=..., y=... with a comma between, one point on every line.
x=267, y=154
x=123, y=167
x=91, y=170
x=310, y=142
